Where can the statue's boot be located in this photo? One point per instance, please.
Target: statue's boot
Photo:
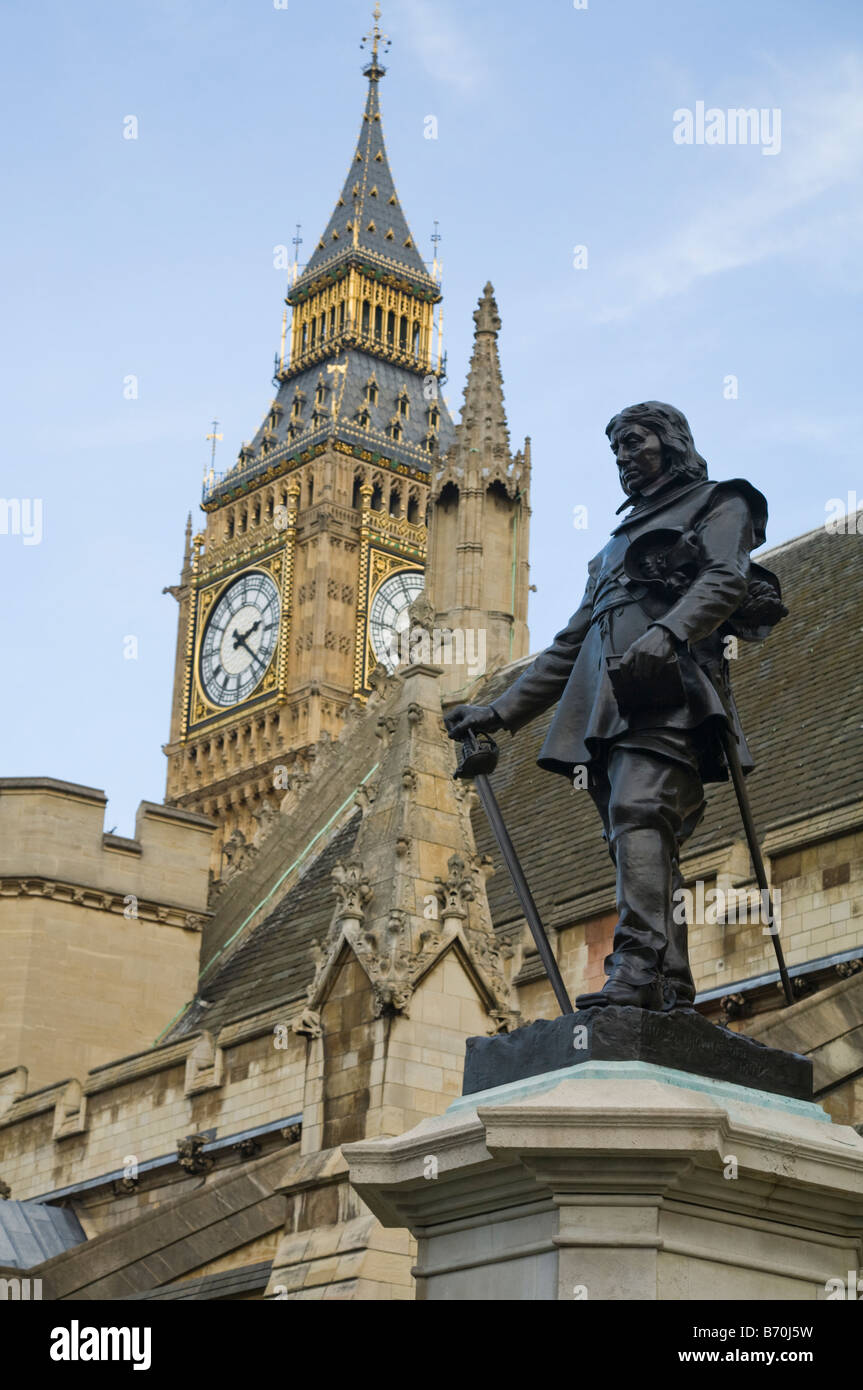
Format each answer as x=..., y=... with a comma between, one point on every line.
x=644, y=866
x=649, y=996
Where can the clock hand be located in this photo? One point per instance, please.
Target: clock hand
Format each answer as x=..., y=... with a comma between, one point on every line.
x=256, y=656
x=240, y=637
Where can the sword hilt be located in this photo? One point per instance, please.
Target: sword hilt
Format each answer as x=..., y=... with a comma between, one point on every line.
x=478, y=756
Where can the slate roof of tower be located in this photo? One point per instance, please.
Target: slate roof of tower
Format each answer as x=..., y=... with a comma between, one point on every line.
x=345, y=398
x=800, y=696
x=369, y=188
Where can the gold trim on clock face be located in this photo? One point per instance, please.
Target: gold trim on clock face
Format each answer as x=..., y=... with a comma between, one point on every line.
x=240, y=639
x=388, y=615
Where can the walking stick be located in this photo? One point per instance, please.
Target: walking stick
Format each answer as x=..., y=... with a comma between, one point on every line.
x=477, y=760
x=732, y=757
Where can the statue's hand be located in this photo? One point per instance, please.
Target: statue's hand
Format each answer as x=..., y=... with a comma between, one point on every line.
x=475, y=719
x=647, y=656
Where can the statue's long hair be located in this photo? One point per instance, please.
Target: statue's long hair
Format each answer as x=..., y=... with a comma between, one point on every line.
x=672, y=429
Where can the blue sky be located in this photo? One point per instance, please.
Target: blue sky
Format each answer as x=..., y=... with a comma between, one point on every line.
x=154, y=258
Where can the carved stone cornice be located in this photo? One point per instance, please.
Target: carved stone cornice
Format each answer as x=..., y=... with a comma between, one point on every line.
x=126, y=905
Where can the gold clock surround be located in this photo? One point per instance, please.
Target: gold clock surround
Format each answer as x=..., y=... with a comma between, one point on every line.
x=201, y=712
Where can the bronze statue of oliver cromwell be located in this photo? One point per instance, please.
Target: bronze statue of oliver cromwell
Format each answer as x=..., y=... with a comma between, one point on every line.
x=640, y=677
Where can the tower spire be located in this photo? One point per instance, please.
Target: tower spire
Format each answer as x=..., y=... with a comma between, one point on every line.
x=477, y=570
x=368, y=217
x=483, y=428
x=363, y=296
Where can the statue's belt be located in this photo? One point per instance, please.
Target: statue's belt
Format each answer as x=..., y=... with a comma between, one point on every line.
x=610, y=604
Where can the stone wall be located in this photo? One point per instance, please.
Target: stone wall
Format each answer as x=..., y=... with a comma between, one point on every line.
x=139, y=1108
x=105, y=928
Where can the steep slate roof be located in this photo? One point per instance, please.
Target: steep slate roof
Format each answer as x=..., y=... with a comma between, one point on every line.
x=800, y=696
x=345, y=398
x=368, y=198
x=275, y=964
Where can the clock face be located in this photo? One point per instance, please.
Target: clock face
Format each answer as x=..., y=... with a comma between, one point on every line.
x=240, y=639
x=389, y=615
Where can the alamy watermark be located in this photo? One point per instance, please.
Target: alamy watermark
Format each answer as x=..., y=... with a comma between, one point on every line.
x=707, y=906
x=19, y=1289
x=844, y=516
x=451, y=646
x=738, y=125
x=852, y=1290
x=22, y=516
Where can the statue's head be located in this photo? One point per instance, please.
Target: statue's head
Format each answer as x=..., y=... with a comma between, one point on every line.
x=650, y=441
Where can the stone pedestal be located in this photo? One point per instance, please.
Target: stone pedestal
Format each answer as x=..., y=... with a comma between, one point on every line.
x=622, y=1180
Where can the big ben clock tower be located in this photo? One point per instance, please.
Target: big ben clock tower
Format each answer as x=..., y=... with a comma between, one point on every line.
x=315, y=540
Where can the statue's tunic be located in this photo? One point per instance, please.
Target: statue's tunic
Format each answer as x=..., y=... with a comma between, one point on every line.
x=729, y=519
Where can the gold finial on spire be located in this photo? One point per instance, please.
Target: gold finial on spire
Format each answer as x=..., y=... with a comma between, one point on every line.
x=436, y=238
x=297, y=243
x=215, y=436
x=376, y=37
